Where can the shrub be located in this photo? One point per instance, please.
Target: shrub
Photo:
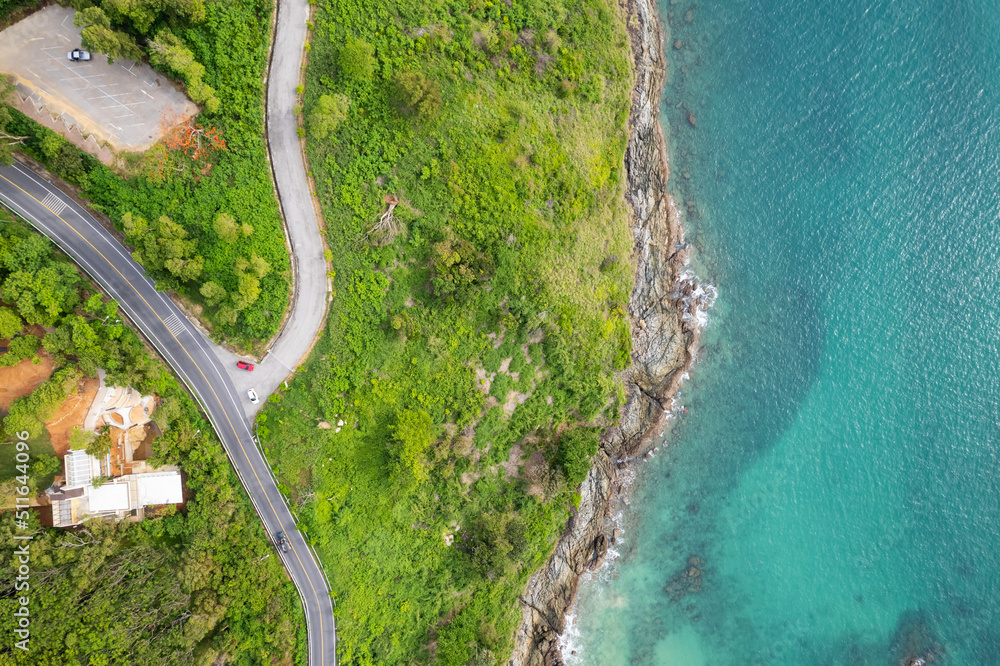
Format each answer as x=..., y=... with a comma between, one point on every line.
x=357, y=60
x=329, y=112
x=576, y=451
x=20, y=349
x=413, y=434
x=10, y=323
x=416, y=94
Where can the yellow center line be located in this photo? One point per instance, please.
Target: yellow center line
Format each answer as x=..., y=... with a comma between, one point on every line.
x=212, y=388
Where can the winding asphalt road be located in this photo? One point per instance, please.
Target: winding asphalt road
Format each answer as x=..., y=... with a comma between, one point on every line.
x=209, y=370
x=191, y=356
x=312, y=286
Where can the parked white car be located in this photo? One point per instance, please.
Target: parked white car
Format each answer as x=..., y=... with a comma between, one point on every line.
x=253, y=396
x=78, y=55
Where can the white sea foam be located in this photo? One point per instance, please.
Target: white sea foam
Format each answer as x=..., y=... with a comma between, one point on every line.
x=571, y=642
x=694, y=298
x=600, y=581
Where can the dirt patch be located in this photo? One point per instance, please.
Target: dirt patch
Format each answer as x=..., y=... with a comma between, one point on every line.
x=514, y=400
x=512, y=466
x=22, y=379
x=483, y=380
x=536, y=471
x=71, y=413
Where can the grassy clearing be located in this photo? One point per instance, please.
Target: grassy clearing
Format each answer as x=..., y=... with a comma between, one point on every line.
x=436, y=441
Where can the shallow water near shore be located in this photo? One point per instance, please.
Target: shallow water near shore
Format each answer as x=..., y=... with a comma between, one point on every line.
x=836, y=478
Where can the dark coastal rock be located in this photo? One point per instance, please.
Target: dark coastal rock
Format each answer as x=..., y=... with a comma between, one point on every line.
x=685, y=582
x=915, y=643
x=691, y=119
x=662, y=351
x=600, y=551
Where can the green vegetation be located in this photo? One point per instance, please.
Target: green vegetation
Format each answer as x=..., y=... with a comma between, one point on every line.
x=169, y=52
x=41, y=471
x=19, y=349
x=214, y=165
x=576, y=449
x=10, y=323
x=329, y=112
x=98, y=36
x=191, y=586
x=357, y=60
x=473, y=198
x=8, y=141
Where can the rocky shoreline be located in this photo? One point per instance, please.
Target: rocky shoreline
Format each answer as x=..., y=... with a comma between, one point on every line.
x=665, y=305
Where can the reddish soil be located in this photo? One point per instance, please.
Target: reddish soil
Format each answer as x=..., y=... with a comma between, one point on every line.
x=71, y=413
x=22, y=379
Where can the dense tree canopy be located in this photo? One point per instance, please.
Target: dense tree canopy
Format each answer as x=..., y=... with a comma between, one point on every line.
x=189, y=586
x=98, y=36
x=416, y=94
x=168, y=51
x=10, y=323
x=164, y=244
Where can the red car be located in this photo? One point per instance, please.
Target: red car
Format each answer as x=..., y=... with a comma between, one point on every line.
x=243, y=365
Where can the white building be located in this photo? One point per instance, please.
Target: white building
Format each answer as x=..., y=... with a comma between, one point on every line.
x=121, y=497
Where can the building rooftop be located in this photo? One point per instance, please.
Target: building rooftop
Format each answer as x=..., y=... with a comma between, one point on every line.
x=109, y=497
x=159, y=488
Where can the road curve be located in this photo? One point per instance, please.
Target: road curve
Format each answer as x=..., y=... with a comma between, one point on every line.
x=195, y=360
x=311, y=284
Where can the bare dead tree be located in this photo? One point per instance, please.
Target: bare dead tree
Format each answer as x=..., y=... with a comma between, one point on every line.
x=11, y=139
x=73, y=540
x=388, y=225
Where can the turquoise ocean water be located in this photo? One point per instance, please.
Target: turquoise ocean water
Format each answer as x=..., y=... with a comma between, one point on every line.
x=838, y=473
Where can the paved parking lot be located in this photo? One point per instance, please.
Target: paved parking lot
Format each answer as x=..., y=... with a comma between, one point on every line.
x=123, y=104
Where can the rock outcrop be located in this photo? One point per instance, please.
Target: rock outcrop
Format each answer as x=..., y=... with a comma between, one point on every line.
x=664, y=308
